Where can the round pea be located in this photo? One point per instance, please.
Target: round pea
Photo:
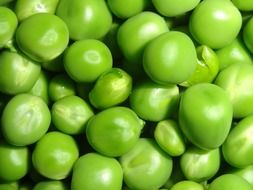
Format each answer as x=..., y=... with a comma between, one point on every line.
x=87, y=19
x=94, y=171
x=169, y=137
x=146, y=166
x=50, y=185
x=135, y=33
x=215, y=23
x=25, y=119
x=111, y=88
x=243, y=5
x=237, y=81
x=187, y=185
x=247, y=37
x=237, y=149
x=14, y=162
x=163, y=60
x=200, y=165
x=205, y=115
x=71, y=114
x=19, y=73
x=8, y=23
x=154, y=102
x=26, y=8
x=60, y=86
x=229, y=182
x=86, y=60
x=42, y=36
x=114, y=131
x=54, y=155
x=246, y=173
x=171, y=8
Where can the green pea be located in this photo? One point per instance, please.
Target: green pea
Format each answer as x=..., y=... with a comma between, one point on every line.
x=207, y=67
x=25, y=119
x=42, y=36
x=111, y=88
x=246, y=173
x=187, y=185
x=154, y=102
x=71, y=114
x=87, y=19
x=244, y=5
x=94, y=171
x=247, y=38
x=26, y=8
x=169, y=137
x=9, y=186
x=8, y=25
x=200, y=165
x=114, y=131
x=19, y=73
x=135, y=33
x=237, y=149
x=229, y=182
x=60, y=86
x=146, y=166
x=54, y=155
x=171, y=8
x=50, y=185
x=14, y=162
x=237, y=81
x=163, y=60
x=86, y=60
x=215, y=23
x=205, y=115
x=236, y=52
x=128, y=8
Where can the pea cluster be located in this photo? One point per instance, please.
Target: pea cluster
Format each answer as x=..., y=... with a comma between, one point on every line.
x=126, y=95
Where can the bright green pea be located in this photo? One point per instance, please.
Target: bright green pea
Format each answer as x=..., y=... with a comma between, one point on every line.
x=111, y=88
x=238, y=147
x=215, y=23
x=170, y=58
x=135, y=33
x=94, y=171
x=61, y=86
x=9, y=186
x=8, y=25
x=26, y=8
x=50, y=185
x=229, y=182
x=246, y=173
x=71, y=114
x=42, y=36
x=114, y=131
x=14, y=162
x=40, y=88
x=25, y=119
x=171, y=8
x=236, y=52
x=169, y=137
x=205, y=115
x=187, y=185
x=243, y=5
x=237, y=81
x=54, y=155
x=207, y=67
x=146, y=166
x=154, y=102
x=247, y=37
x=87, y=19
x=200, y=165
x=19, y=74
x=86, y=60
x=127, y=8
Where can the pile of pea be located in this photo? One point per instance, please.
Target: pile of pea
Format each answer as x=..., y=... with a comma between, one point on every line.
x=126, y=95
